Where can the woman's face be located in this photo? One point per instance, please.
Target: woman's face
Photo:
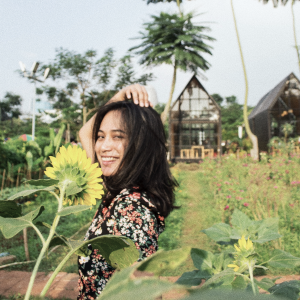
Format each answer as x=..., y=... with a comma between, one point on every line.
x=111, y=143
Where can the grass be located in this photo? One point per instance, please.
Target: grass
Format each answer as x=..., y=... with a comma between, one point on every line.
x=213, y=190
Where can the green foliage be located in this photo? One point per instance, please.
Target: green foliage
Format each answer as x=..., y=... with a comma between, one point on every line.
x=80, y=74
x=10, y=107
x=175, y=40
x=119, y=252
x=12, y=226
x=260, y=231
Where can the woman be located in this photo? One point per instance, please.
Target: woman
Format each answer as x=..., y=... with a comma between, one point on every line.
x=129, y=143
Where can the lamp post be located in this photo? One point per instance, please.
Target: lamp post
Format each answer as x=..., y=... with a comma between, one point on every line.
x=32, y=76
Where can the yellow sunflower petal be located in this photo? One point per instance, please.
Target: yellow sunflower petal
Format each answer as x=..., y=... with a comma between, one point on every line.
x=237, y=248
x=249, y=244
x=242, y=242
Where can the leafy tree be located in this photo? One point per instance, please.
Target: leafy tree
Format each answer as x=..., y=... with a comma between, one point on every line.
x=87, y=79
x=10, y=107
x=126, y=74
x=218, y=99
x=174, y=40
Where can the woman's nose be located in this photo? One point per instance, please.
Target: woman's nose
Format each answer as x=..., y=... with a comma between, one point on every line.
x=106, y=144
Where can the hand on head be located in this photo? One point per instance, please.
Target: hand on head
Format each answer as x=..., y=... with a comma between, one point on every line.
x=135, y=92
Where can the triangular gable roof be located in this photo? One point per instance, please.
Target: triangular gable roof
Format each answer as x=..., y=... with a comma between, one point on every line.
x=192, y=77
x=268, y=100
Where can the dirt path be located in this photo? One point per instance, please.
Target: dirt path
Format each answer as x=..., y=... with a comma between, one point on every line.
x=195, y=214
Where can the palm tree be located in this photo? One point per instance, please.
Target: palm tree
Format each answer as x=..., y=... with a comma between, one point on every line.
x=174, y=40
x=284, y=2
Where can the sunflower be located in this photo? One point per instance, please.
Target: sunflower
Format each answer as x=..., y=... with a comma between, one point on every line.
x=244, y=255
x=77, y=176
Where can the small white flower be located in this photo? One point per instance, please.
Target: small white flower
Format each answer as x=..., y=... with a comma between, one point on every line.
x=83, y=260
x=110, y=222
x=98, y=231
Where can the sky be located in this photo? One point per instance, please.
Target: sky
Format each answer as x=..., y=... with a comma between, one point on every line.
x=33, y=29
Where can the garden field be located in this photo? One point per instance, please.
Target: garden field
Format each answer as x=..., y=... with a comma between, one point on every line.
x=208, y=193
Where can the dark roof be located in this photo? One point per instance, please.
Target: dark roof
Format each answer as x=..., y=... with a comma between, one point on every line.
x=268, y=100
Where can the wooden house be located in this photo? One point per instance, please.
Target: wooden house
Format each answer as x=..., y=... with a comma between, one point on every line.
x=279, y=106
x=194, y=124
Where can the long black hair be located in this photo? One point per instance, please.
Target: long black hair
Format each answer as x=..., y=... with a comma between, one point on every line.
x=144, y=163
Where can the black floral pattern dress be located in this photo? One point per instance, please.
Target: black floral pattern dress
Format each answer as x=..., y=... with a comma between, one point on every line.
x=130, y=214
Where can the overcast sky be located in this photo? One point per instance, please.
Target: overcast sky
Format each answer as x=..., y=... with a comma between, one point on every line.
x=32, y=29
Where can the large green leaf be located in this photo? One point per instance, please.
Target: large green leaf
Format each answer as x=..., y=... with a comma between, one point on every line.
x=164, y=260
x=11, y=226
x=119, y=251
x=219, y=232
x=29, y=192
x=265, y=283
x=282, y=259
x=239, y=283
x=225, y=277
x=203, y=260
x=240, y=220
x=43, y=182
x=10, y=209
x=288, y=289
x=73, y=209
x=193, y=278
x=124, y=286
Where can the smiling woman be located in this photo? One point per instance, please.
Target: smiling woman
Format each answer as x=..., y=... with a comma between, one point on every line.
x=128, y=141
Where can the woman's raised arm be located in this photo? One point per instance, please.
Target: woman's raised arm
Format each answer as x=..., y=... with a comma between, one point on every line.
x=139, y=96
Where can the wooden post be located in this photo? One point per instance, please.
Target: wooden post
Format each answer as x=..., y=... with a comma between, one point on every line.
x=3, y=178
x=26, y=244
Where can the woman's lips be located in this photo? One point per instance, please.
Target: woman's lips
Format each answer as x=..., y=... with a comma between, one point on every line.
x=107, y=160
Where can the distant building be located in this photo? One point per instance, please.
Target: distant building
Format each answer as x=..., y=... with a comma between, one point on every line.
x=279, y=106
x=194, y=124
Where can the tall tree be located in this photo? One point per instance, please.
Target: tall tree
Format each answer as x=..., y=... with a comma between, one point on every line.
x=284, y=2
x=174, y=40
x=85, y=79
x=253, y=138
x=10, y=107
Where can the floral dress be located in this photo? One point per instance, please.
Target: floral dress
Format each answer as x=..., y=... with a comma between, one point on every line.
x=130, y=214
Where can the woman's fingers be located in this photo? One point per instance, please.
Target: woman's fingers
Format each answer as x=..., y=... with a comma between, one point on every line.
x=138, y=94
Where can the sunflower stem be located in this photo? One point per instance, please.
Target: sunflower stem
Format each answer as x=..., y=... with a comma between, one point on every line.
x=39, y=234
x=252, y=279
x=54, y=274
x=45, y=246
